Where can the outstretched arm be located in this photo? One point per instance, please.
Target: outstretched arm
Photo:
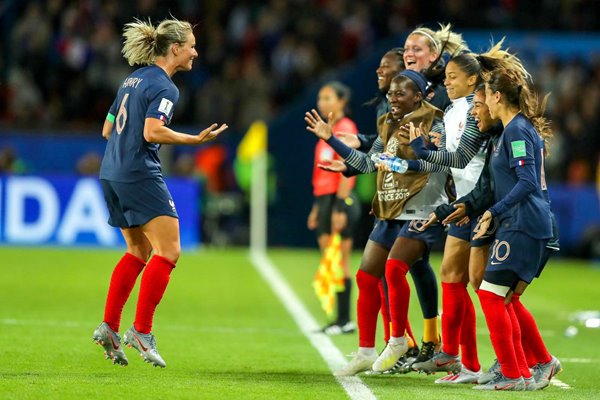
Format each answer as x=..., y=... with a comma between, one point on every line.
x=360, y=161
x=422, y=165
x=155, y=131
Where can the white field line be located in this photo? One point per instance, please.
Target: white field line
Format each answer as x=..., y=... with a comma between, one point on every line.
x=559, y=384
x=578, y=360
x=353, y=385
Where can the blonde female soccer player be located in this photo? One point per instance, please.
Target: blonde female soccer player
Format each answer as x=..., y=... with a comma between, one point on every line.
x=136, y=195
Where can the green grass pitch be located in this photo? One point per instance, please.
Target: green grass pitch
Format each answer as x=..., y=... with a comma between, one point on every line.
x=224, y=334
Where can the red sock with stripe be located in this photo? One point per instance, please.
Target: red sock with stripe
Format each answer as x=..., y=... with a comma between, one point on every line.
x=453, y=311
x=516, y=330
x=532, y=339
x=154, y=283
x=398, y=293
x=367, y=308
x=385, y=313
x=468, y=336
x=122, y=282
x=500, y=327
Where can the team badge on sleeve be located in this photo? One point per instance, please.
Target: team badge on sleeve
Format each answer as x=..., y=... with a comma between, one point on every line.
x=165, y=106
x=518, y=148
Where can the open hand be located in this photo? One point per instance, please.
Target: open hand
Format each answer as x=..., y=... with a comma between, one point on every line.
x=458, y=214
x=435, y=138
x=333, y=165
x=483, y=225
x=412, y=131
x=210, y=133
x=317, y=126
x=432, y=220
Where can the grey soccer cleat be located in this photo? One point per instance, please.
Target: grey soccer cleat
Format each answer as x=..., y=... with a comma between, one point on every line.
x=530, y=383
x=488, y=376
x=146, y=345
x=542, y=373
x=438, y=363
x=111, y=341
x=500, y=382
x=464, y=376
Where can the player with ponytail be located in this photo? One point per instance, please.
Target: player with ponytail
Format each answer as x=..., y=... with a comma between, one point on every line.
x=138, y=200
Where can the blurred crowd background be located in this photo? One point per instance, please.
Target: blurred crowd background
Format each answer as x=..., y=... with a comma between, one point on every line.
x=60, y=63
x=60, y=60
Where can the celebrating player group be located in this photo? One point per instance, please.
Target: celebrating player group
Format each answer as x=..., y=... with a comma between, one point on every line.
x=460, y=145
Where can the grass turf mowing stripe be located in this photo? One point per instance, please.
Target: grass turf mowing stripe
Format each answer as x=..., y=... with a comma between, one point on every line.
x=353, y=385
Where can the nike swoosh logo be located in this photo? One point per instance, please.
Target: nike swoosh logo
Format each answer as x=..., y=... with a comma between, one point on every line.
x=495, y=263
x=115, y=345
x=507, y=386
x=141, y=345
x=439, y=364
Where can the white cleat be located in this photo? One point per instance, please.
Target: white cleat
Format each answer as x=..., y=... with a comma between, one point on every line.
x=390, y=355
x=359, y=363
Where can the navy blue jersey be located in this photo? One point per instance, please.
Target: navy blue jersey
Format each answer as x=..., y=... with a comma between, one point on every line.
x=147, y=93
x=517, y=166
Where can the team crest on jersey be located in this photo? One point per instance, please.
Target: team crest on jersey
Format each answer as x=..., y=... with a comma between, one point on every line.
x=460, y=130
x=497, y=148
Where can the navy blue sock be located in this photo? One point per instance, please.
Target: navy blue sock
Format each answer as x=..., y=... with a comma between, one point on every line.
x=426, y=286
x=343, y=299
